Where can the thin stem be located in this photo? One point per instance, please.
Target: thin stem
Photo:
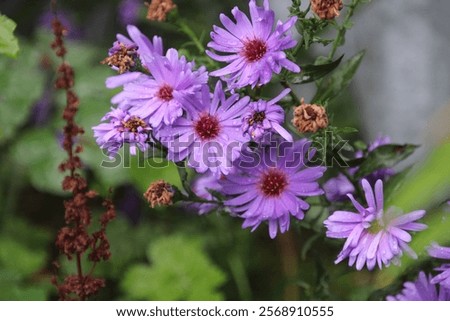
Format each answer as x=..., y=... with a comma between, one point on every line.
x=184, y=27
x=342, y=28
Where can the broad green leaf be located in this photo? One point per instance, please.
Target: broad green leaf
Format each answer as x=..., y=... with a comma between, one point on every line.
x=38, y=153
x=427, y=186
x=9, y=45
x=21, y=85
x=334, y=84
x=19, y=258
x=384, y=157
x=311, y=73
x=180, y=270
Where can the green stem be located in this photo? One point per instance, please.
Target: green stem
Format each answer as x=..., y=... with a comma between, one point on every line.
x=184, y=27
x=342, y=29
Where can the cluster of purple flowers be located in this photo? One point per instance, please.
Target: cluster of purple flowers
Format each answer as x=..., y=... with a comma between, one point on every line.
x=228, y=137
x=166, y=99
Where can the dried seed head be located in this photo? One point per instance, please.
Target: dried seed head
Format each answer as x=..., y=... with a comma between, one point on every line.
x=309, y=118
x=159, y=193
x=158, y=9
x=326, y=9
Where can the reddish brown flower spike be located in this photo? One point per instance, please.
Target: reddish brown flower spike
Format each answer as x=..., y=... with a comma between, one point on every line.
x=327, y=9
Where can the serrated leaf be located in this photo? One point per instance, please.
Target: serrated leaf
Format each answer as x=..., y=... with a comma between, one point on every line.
x=384, y=157
x=9, y=45
x=333, y=85
x=310, y=73
x=180, y=270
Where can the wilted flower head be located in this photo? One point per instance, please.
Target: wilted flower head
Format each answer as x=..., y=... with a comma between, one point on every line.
x=309, y=118
x=327, y=9
x=122, y=127
x=158, y=9
x=263, y=117
x=211, y=137
x=126, y=53
x=421, y=289
x=173, y=86
x=159, y=193
x=441, y=252
x=252, y=49
x=271, y=188
x=374, y=236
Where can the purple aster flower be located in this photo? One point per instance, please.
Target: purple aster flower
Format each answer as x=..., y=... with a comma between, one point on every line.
x=202, y=187
x=211, y=137
x=172, y=87
x=265, y=116
x=128, y=11
x=271, y=189
x=421, y=290
x=337, y=188
x=253, y=50
x=122, y=127
x=374, y=236
x=441, y=252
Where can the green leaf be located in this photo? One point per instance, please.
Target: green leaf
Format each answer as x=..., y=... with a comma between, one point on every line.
x=310, y=73
x=21, y=84
x=180, y=270
x=38, y=154
x=19, y=258
x=427, y=186
x=334, y=84
x=383, y=157
x=9, y=44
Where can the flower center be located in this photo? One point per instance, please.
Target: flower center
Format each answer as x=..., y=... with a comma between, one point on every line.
x=165, y=93
x=273, y=182
x=254, y=50
x=258, y=117
x=311, y=112
x=133, y=124
x=207, y=127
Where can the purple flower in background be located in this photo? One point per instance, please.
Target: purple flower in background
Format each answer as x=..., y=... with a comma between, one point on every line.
x=421, y=290
x=122, y=127
x=161, y=98
x=67, y=20
x=265, y=116
x=374, y=236
x=201, y=187
x=441, y=252
x=211, y=137
x=253, y=50
x=337, y=188
x=382, y=173
x=128, y=11
x=272, y=189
